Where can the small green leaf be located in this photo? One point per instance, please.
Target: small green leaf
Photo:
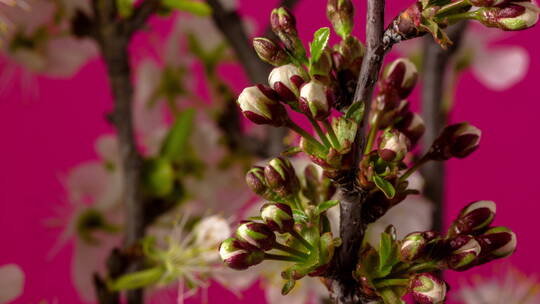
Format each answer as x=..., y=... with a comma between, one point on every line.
x=320, y=40
x=356, y=112
x=177, y=140
x=385, y=254
x=322, y=207
x=385, y=186
x=198, y=8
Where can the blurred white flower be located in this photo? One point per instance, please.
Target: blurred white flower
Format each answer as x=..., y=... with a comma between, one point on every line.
x=511, y=287
x=11, y=282
x=38, y=42
x=498, y=67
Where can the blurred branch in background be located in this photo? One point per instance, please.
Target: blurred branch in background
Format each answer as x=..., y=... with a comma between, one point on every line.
x=231, y=26
x=435, y=64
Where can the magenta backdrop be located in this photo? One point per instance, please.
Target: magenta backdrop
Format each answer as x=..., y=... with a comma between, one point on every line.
x=45, y=136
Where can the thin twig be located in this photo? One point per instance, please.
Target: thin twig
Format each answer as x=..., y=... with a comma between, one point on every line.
x=435, y=64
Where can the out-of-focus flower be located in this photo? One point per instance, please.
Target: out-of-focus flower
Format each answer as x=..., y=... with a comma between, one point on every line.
x=39, y=41
x=512, y=287
x=498, y=67
x=11, y=282
x=93, y=217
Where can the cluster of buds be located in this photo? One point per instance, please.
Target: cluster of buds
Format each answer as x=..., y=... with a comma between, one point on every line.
x=470, y=241
x=277, y=178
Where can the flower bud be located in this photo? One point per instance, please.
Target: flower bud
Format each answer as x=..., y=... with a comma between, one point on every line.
x=341, y=15
x=256, y=181
x=287, y=80
x=413, y=246
x=465, y=249
x=497, y=242
x=412, y=125
x=256, y=234
x=316, y=99
x=394, y=146
x=283, y=24
x=513, y=16
x=270, y=52
x=457, y=140
x=475, y=216
x=258, y=104
x=428, y=289
x=400, y=77
x=389, y=109
x=237, y=256
x=278, y=217
x=281, y=177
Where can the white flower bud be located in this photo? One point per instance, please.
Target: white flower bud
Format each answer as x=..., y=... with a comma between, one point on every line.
x=316, y=99
x=286, y=80
x=258, y=104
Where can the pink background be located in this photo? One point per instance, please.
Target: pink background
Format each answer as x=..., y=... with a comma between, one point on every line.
x=45, y=136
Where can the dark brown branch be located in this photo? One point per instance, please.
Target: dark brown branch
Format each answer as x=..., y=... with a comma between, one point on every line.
x=352, y=226
x=435, y=64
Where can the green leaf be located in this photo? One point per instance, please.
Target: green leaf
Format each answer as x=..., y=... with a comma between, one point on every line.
x=356, y=112
x=322, y=207
x=177, y=140
x=198, y=8
x=320, y=41
x=125, y=7
x=385, y=254
x=385, y=186
x=345, y=131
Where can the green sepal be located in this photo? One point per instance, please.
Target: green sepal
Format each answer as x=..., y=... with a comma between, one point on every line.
x=177, y=140
x=138, y=279
x=385, y=186
x=326, y=248
x=322, y=207
x=320, y=41
x=300, y=216
x=198, y=8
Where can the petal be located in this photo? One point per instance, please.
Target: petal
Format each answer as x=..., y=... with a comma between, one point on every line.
x=501, y=67
x=66, y=55
x=107, y=148
x=86, y=182
x=88, y=260
x=11, y=282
